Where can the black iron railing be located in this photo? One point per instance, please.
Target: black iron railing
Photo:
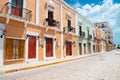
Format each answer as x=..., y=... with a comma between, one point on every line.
x=89, y=37
x=17, y=11
x=82, y=34
x=71, y=29
x=52, y=22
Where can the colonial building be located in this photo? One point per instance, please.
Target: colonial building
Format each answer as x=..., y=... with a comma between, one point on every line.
x=108, y=35
x=68, y=27
x=85, y=32
x=98, y=46
x=43, y=30
x=103, y=41
x=100, y=39
x=37, y=31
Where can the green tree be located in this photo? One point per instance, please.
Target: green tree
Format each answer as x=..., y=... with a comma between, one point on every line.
x=118, y=47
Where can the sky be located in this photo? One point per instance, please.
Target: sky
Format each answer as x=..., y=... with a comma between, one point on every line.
x=100, y=11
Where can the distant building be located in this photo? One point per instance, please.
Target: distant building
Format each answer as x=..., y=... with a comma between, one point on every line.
x=108, y=35
x=97, y=39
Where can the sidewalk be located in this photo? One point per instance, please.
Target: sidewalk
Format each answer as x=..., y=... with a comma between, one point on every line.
x=19, y=67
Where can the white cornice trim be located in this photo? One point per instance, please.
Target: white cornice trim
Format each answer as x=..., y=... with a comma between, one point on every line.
x=50, y=3
x=66, y=6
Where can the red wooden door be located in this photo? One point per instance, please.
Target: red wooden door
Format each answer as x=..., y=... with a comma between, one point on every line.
x=68, y=48
x=16, y=7
x=49, y=47
x=89, y=47
x=32, y=47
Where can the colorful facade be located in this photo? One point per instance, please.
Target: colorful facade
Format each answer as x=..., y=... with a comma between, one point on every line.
x=108, y=35
x=103, y=41
x=98, y=46
x=85, y=32
x=43, y=30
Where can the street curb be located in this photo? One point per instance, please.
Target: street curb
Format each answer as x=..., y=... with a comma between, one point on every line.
x=47, y=64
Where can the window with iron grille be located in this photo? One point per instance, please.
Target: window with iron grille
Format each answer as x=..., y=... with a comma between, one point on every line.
x=14, y=49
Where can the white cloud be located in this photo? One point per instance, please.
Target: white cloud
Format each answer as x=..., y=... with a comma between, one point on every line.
x=107, y=11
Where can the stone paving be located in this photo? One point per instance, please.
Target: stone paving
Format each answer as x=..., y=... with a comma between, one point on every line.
x=105, y=66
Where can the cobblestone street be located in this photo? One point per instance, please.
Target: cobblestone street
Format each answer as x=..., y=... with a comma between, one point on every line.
x=100, y=67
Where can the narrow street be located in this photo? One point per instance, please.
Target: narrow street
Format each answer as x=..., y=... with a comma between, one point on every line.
x=105, y=66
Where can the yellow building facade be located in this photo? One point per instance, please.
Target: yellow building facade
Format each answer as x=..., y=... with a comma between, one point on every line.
x=103, y=41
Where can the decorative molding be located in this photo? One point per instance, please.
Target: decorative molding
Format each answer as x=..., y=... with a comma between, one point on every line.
x=26, y=56
x=50, y=4
x=66, y=6
x=16, y=38
x=68, y=16
x=54, y=47
x=32, y=33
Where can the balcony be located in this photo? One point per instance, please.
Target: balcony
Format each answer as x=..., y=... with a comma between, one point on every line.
x=71, y=29
x=52, y=22
x=16, y=11
x=99, y=40
x=82, y=36
x=95, y=39
x=89, y=37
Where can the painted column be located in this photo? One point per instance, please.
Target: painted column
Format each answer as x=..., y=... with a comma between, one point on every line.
x=76, y=16
x=92, y=47
x=24, y=11
x=37, y=47
x=37, y=11
x=1, y=50
x=1, y=44
x=54, y=48
x=61, y=24
x=9, y=9
x=82, y=48
x=26, y=50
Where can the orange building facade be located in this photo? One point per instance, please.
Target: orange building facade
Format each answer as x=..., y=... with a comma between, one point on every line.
x=98, y=40
x=37, y=31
